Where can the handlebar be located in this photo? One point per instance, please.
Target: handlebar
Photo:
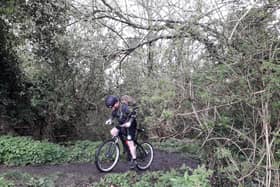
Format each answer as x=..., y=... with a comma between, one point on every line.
x=140, y=130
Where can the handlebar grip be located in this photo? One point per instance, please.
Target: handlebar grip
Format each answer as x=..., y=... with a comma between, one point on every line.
x=141, y=130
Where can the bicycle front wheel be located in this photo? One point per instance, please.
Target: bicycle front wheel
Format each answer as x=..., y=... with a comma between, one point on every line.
x=107, y=156
x=145, y=155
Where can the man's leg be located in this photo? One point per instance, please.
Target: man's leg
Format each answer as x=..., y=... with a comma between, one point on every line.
x=131, y=132
x=132, y=148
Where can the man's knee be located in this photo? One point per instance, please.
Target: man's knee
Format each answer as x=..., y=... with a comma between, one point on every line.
x=129, y=137
x=114, y=132
x=130, y=141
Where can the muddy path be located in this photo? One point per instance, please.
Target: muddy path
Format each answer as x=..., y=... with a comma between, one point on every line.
x=83, y=174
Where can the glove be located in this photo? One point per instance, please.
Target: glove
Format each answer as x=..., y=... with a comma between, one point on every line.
x=108, y=122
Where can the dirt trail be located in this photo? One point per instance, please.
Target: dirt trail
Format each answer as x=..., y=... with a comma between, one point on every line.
x=82, y=174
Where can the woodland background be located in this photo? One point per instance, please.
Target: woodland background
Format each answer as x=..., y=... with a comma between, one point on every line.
x=206, y=71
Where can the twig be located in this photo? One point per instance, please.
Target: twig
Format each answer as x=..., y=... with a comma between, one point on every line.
x=206, y=109
x=253, y=170
x=236, y=25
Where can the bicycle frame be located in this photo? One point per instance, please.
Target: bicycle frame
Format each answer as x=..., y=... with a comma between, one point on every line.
x=123, y=139
x=111, y=153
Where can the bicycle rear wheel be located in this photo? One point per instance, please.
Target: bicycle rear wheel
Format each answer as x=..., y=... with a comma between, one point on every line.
x=145, y=155
x=107, y=156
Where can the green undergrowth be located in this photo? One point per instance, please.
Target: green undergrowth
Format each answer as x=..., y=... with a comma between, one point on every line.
x=20, y=151
x=185, y=146
x=179, y=178
x=16, y=178
x=24, y=150
x=82, y=151
x=5, y=183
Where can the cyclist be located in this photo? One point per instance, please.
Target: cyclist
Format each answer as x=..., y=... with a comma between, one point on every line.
x=126, y=118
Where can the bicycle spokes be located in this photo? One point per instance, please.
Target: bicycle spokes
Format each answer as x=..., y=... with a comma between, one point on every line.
x=107, y=156
x=145, y=156
x=110, y=151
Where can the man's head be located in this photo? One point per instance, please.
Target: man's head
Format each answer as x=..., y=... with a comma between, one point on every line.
x=112, y=101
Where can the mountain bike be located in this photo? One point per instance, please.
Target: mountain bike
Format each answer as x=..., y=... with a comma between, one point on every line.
x=108, y=153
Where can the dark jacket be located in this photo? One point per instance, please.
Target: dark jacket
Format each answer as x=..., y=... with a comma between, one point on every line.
x=124, y=114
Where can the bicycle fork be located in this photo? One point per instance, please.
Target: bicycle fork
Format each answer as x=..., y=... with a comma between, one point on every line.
x=111, y=149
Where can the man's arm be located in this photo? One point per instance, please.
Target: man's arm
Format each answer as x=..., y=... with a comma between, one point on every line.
x=127, y=124
x=131, y=116
x=110, y=120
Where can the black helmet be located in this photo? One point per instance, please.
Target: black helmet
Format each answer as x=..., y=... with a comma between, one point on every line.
x=110, y=101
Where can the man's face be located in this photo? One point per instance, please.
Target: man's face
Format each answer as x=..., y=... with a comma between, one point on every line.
x=116, y=106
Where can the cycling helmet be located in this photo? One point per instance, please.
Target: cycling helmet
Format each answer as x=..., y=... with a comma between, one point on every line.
x=110, y=101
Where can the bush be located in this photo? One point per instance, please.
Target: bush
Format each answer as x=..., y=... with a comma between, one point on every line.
x=24, y=150
x=5, y=183
x=186, y=146
x=82, y=151
x=198, y=178
x=159, y=178
x=17, y=178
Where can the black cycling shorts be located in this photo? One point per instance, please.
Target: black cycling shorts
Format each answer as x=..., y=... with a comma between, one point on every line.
x=129, y=132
